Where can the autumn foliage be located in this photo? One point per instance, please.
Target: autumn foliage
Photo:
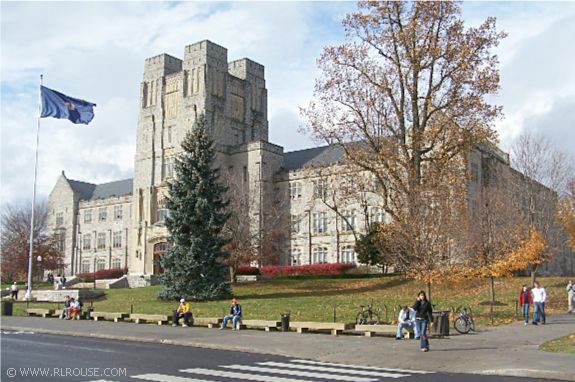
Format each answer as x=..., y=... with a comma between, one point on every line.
x=305, y=270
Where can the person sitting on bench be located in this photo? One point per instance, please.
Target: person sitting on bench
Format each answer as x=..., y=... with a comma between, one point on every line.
x=235, y=315
x=184, y=310
x=406, y=320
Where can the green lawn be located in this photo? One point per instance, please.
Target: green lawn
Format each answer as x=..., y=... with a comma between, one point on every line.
x=314, y=299
x=561, y=345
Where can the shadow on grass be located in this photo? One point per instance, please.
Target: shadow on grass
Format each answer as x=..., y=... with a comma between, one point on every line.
x=329, y=292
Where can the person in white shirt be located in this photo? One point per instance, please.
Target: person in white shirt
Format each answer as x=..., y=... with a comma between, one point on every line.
x=406, y=320
x=539, y=297
x=570, y=295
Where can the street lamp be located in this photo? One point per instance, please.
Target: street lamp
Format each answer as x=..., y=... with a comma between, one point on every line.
x=39, y=261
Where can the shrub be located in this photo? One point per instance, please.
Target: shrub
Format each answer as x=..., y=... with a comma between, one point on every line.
x=247, y=270
x=305, y=270
x=113, y=273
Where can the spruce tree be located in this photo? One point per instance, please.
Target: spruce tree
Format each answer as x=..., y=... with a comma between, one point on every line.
x=194, y=265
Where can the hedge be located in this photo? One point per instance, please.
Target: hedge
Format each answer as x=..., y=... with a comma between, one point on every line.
x=247, y=270
x=113, y=273
x=305, y=270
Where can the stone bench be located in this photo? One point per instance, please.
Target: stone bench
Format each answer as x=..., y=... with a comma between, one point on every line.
x=140, y=317
x=40, y=312
x=116, y=316
x=210, y=322
x=389, y=330
x=335, y=328
x=265, y=324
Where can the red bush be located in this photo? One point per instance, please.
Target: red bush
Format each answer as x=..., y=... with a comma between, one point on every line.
x=104, y=274
x=305, y=270
x=247, y=270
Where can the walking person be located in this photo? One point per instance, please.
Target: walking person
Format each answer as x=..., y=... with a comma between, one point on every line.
x=14, y=291
x=423, y=319
x=570, y=296
x=539, y=297
x=525, y=300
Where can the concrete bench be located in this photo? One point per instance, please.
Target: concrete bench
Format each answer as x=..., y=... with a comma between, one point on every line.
x=40, y=312
x=265, y=324
x=335, y=328
x=116, y=316
x=159, y=318
x=210, y=322
x=389, y=330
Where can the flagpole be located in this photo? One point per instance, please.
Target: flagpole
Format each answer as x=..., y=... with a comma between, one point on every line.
x=31, y=250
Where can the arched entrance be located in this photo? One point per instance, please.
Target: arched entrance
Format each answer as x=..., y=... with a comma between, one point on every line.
x=159, y=249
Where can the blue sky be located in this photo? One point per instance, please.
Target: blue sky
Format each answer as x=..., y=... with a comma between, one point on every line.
x=96, y=51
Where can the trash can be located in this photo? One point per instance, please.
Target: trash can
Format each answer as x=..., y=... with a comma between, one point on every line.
x=285, y=322
x=440, y=323
x=7, y=308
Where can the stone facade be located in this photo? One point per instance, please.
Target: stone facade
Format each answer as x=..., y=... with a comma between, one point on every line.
x=299, y=188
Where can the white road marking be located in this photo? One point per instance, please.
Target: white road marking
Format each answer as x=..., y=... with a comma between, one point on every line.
x=331, y=369
x=305, y=374
x=360, y=367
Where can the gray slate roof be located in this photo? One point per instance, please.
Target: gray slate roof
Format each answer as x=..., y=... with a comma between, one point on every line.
x=317, y=156
x=89, y=191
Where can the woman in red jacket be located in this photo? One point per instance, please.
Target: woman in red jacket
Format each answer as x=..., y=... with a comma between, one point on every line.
x=525, y=300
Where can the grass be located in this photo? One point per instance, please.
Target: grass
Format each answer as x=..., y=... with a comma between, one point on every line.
x=316, y=299
x=561, y=345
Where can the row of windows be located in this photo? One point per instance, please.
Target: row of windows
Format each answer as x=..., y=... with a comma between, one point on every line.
x=319, y=255
x=103, y=214
x=320, y=187
x=320, y=221
x=86, y=266
x=101, y=240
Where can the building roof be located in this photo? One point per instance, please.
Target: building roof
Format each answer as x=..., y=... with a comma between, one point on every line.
x=317, y=156
x=89, y=191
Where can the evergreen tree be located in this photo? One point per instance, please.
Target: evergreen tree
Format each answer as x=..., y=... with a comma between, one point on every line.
x=194, y=266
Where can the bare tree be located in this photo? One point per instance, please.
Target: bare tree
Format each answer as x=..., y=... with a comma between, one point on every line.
x=546, y=173
x=15, y=237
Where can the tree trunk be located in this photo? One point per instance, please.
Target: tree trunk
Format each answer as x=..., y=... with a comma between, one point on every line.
x=429, y=291
x=533, y=274
x=492, y=282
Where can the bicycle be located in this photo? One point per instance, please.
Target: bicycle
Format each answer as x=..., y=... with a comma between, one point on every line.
x=366, y=314
x=463, y=322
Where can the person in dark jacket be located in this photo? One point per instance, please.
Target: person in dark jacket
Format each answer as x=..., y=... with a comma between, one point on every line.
x=525, y=300
x=423, y=318
x=235, y=315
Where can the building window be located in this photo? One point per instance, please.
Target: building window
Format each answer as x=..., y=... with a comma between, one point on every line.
x=349, y=221
x=320, y=222
x=169, y=167
x=61, y=240
x=101, y=240
x=475, y=172
x=117, y=239
x=319, y=255
x=169, y=135
x=116, y=263
x=88, y=216
x=295, y=224
x=86, y=241
x=102, y=214
x=162, y=211
x=296, y=256
x=295, y=190
x=100, y=264
x=118, y=212
x=320, y=188
x=60, y=218
x=376, y=215
x=347, y=254
x=85, y=266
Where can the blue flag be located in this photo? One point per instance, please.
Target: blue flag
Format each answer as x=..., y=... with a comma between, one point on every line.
x=58, y=105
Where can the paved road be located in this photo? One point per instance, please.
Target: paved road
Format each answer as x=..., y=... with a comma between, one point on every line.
x=29, y=356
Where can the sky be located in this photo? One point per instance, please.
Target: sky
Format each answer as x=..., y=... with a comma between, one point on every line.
x=96, y=51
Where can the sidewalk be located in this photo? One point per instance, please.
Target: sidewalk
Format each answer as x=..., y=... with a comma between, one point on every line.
x=506, y=350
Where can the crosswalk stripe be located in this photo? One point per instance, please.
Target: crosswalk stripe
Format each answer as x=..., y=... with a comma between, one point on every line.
x=102, y=380
x=331, y=369
x=167, y=378
x=360, y=367
x=306, y=374
x=249, y=377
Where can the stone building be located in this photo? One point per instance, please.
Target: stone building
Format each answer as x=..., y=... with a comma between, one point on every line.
x=121, y=224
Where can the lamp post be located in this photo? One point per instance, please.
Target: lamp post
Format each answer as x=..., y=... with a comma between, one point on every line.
x=39, y=261
x=94, y=272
